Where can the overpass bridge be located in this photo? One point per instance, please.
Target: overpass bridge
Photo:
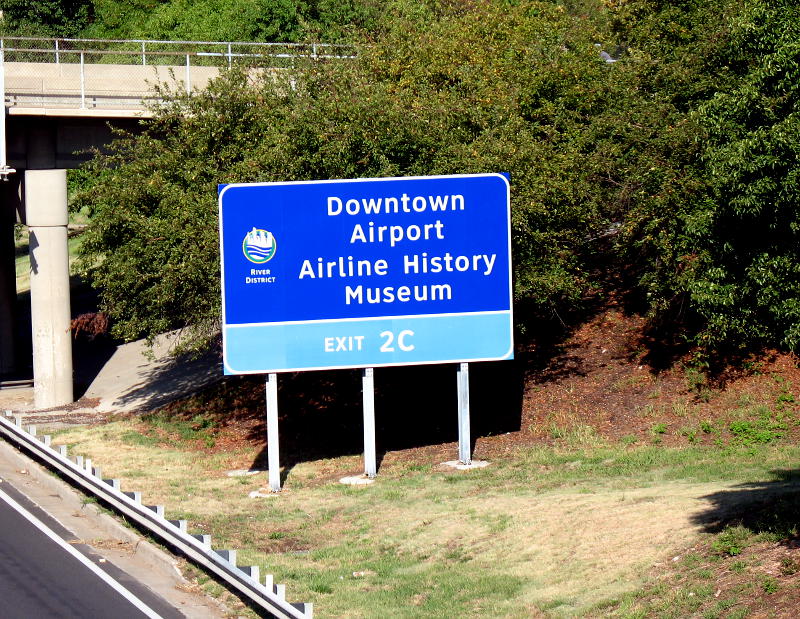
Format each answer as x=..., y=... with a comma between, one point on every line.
x=60, y=94
x=62, y=97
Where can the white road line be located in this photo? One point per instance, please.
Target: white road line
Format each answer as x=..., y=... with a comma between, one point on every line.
x=149, y=612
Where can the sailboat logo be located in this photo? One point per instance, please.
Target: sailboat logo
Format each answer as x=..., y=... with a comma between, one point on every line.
x=259, y=246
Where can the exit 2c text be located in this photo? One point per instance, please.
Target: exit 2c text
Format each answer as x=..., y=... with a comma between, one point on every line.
x=389, y=342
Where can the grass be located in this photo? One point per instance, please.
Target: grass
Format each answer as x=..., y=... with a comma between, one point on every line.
x=558, y=531
x=743, y=564
x=22, y=261
x=731, y=541
x=576, y=435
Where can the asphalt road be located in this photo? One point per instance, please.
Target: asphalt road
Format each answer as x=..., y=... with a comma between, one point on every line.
x=43, y=575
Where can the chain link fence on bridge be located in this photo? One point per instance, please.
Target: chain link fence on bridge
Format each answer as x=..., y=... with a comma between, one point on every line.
x=115, y=74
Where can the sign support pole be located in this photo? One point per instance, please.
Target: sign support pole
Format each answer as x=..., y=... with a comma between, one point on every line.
x=368, y=393
x=464, y=441
x=273, y=450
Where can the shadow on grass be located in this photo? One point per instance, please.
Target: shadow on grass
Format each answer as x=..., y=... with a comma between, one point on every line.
x=321, y=413
x=765, y=507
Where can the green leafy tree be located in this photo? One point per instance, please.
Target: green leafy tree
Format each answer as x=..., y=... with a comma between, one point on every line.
x=338, y=20
x=151, y=248
x=487, y=87
x=58, y=18
x=716, y=242
x=120, y=19
x=227, y=20
x=746, y=279
x=201, y=20
x=234, y=20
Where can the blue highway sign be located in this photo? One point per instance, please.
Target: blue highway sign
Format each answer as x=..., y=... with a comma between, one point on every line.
x=365, y=272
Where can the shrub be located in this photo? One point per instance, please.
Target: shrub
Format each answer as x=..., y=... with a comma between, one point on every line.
x=517, y=89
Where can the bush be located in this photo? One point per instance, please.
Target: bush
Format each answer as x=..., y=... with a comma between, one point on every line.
x=517, y=89
x=55, y=18
x=685, y=152
x=716, y=240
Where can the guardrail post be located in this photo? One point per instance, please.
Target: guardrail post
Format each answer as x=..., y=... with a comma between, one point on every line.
x=188, y=77
x=144, y=58
x=56, y=51
x=83, y=84
x=230, y=56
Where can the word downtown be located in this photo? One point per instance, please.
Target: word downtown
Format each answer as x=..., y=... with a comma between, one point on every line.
x=413, y=264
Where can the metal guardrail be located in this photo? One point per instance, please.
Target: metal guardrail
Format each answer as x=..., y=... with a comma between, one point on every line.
x=119, y=74
x=144, y=52
x=245, y=580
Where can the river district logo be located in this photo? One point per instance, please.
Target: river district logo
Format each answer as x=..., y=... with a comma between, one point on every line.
x=259, y=246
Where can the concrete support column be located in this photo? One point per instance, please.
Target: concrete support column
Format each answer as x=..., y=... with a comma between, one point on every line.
x=46, y=213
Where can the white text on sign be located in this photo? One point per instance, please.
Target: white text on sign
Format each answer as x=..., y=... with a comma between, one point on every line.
x=391, y=342
x=344, y=344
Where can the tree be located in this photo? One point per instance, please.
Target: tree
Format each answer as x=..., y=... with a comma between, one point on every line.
x=225, y=20
x=488, y=87
x=717, y=245
x=232, y=20
x=746, y=281
x=58, y=18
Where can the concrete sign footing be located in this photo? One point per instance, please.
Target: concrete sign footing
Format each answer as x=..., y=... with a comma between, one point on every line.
x=357, y=480
x=263, y=493
x=245, y=472
x=460, y=466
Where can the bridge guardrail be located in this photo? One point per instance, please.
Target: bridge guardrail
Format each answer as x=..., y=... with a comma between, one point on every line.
x=119, y=74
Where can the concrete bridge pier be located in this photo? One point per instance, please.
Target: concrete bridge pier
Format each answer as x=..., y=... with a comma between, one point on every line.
x=46, y=216
x=9, y=209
